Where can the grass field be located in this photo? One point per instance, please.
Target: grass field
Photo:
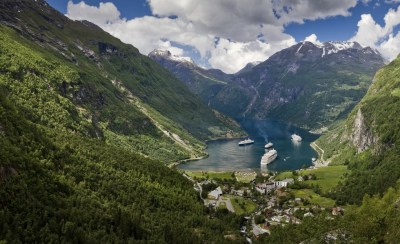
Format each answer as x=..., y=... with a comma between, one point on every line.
x=248, y=205
x=314, y=198
x=327, y=177
x=245, y=177
x=210, y=175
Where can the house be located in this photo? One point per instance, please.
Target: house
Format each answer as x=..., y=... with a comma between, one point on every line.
x=337, y=211
x=265, y=188
x=300, y=178
x=215, y=194
x=284, y=183
x=238, y=192
x=308, y=214
x=261, y=188
x=297, y=199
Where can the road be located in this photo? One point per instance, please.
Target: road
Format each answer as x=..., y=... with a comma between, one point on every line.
x=228, y=204
x=319, y=163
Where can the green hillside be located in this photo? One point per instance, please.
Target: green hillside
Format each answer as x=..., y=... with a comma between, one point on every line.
x=100, y=87
x=368, y=141
x=57, y=187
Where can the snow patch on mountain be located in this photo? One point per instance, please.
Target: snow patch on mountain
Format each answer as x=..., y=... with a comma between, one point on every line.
x=168, y=55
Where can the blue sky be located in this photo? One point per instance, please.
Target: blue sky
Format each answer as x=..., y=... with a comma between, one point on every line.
x=236, y=25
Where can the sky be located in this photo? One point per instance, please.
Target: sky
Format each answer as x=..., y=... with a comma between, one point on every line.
x=228, y=34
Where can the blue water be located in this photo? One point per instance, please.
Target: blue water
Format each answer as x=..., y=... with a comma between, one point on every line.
x=226, y=155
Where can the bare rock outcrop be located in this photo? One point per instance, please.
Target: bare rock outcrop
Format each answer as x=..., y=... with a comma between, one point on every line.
x=361, y=137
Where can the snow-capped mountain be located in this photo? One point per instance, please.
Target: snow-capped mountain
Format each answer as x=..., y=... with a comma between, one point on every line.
x=203, y=82
x=165, y=54
x=308, y=84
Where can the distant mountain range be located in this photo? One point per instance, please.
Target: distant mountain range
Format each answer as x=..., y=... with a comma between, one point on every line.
x=307, y=84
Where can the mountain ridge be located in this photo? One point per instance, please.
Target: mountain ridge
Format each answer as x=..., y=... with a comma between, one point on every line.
x=108, y=74
x=283, y=85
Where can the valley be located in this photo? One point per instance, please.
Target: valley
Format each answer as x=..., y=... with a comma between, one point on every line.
x=104, y=141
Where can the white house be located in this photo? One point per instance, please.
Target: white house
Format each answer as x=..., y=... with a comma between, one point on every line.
x=265, y=188
x=284, y=183
x=215, y=194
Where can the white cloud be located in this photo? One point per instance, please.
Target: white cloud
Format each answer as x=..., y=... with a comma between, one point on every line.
x=166, y=45
x=233, y=56
x=236, y=23
x=313, y=38
x=391, y=47
x=372, y=34
x=105, y=13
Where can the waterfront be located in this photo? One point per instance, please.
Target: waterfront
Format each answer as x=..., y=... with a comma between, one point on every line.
x=226, y=155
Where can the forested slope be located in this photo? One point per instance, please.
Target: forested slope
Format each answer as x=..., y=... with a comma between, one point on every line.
x=368, y=141
x=106, y=88
x=58, y=187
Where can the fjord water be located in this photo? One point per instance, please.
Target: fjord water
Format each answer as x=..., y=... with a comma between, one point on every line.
x=226, y=155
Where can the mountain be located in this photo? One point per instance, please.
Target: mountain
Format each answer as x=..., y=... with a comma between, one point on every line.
x=107, y=88
x=204, y=82
x=87, y=125
x=306, y=84
x=368, y=140
x=248, y=67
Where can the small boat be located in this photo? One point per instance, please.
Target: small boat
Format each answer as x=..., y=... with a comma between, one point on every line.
x=296, y=138
x=269, y=157
x=313, y=160
x=248, y=141
x=268, y=145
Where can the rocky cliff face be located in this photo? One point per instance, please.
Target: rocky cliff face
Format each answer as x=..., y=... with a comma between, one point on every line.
x=361, y=137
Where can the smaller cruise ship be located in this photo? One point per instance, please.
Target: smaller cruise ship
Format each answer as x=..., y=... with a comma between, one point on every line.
x=296, y=138
x=248, y=141
x=269, y=157
x=268, y=145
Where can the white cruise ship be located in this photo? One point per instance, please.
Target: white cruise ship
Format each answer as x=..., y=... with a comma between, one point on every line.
x=268, y=145
x=296, y=138
x=248, y=141
x=269, y=157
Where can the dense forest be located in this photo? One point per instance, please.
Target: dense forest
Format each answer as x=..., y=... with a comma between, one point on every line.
x=57, y=186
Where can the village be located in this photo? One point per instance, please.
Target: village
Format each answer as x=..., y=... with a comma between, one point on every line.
x=269, y=199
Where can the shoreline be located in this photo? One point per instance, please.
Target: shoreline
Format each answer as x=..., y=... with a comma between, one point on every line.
x=320, y=162
x=174, y=164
